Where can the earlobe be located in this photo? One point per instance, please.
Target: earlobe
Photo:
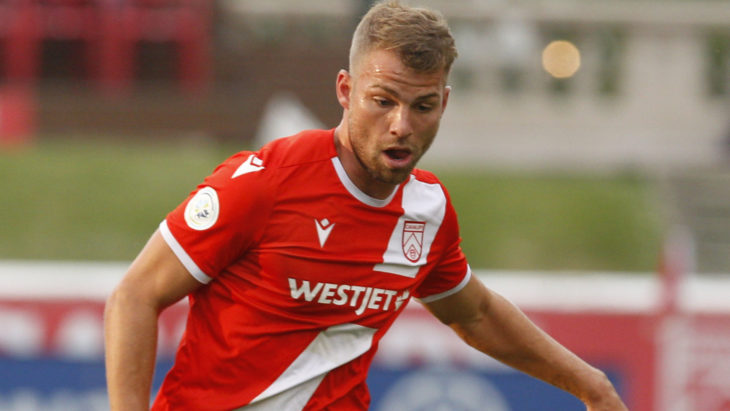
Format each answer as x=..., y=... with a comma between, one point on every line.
x=343, y=88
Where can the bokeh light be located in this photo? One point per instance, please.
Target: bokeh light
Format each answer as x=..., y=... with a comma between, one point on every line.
x=561, y=59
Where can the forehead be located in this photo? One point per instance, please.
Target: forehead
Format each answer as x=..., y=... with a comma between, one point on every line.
x=383, y=68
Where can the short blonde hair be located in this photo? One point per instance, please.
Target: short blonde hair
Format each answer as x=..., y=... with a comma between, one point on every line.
x=419, y=36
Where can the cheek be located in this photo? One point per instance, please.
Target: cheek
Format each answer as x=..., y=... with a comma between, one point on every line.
x=428, y=128
x=360, y=139
x=367, y=127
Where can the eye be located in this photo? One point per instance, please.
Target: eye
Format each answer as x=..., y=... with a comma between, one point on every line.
x=382, y=102
x=424, y=108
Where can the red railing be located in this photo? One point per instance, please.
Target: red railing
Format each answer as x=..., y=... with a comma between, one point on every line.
x=110, y=31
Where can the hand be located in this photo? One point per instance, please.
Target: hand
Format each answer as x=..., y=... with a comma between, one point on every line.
x=614, y=404
x=608, y=401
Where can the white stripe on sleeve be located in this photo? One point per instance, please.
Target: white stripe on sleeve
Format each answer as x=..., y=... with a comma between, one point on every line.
x=447, y=293
x=182, y=255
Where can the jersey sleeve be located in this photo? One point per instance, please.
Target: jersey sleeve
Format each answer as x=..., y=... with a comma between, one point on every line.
x=222, y=218
x=452, y=271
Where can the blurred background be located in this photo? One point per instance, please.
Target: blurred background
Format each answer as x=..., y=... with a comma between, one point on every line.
x=586, y=147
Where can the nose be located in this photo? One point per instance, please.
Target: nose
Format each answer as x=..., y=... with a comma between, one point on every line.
x=400, y=123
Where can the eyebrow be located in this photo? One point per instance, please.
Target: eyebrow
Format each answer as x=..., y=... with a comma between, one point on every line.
x=396, y=94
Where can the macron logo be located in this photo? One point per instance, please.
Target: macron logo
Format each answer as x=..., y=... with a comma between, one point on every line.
x=251, y=165
x=324, y=228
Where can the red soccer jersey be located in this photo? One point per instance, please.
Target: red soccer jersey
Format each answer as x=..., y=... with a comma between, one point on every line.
x=304, y=273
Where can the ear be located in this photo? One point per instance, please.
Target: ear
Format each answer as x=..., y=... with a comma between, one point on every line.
x=445, y=101
x=343, y=88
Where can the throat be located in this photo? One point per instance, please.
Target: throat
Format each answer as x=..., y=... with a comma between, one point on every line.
x=370, y=195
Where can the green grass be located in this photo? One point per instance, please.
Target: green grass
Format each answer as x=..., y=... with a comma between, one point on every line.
x=557, y=221
x=87, y=200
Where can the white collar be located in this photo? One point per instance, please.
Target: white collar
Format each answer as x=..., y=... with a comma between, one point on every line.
x=355, y=191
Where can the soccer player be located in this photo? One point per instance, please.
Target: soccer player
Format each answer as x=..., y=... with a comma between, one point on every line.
x=298, y=257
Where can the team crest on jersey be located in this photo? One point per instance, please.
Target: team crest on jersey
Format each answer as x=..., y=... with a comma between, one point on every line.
x=202, y=210
x=413, y=239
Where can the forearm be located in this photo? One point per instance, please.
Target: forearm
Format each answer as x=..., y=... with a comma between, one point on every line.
x=130, y=331
x=507, y=335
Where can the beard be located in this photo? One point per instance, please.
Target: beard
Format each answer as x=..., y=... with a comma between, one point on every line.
x=370, y=157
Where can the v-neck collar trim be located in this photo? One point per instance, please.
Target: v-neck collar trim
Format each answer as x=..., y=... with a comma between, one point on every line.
x=355, y=191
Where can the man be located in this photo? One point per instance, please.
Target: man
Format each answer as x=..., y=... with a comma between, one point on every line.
x=298, y=257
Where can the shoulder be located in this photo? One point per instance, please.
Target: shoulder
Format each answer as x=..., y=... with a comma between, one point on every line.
x=305, y=147
x=427, y=179
x=302, y=148
x=425, y=187
x=425, y=176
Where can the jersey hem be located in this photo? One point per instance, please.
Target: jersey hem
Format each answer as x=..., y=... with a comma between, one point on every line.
x=182, y=255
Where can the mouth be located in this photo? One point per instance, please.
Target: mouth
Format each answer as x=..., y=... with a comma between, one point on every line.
x=398, y=155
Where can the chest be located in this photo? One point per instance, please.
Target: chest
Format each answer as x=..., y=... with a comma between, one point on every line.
x=326, y=253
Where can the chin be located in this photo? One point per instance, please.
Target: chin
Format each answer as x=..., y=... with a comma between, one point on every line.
x=396, y=177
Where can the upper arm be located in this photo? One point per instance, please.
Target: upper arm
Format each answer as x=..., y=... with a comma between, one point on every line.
x=466, y=306
x=157, y=276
